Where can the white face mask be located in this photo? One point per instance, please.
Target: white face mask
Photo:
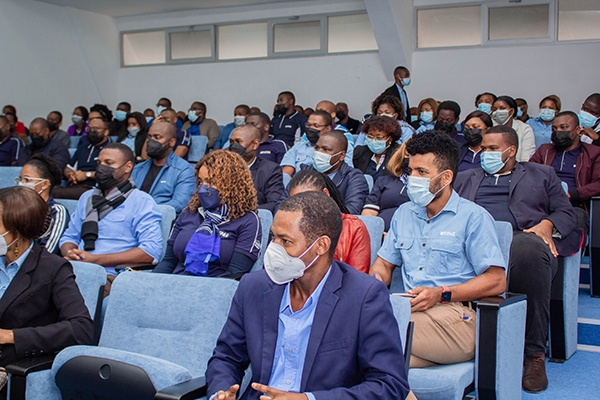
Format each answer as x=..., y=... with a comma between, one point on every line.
x=283, y=268
x=3, y=246
x=31, y=185
x=239, y=120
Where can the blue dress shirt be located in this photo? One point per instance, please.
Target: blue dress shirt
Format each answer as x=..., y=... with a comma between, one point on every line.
x=302, y=153
x=541, y=131
x=403, y=99
x=8, y=272
x=456, y=245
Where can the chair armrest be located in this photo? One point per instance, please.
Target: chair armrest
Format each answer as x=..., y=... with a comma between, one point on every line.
x=192, y=389
x=25, y=366
x=594, y=245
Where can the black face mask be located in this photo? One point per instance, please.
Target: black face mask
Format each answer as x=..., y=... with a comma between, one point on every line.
x=94, y=137
x=444, y=126
x=239, y=149
x=312, y=135
x=156, y=150
x=562, y=139
x=105, y=177
x=473, y=136
x=281, y=108
x=52, y=126
x=339, y=114
x=37, y=141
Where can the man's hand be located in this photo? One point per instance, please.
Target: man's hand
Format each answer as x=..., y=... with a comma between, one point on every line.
x=543, y=230
x=80, y=176
x=72, y=178
x=81, y=255
x=228, y=395
x=427, y=297
x=6, y=336
x=274, y=394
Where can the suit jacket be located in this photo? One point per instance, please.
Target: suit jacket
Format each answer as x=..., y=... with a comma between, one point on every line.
x=353, y=125
x=535, y=194
x=268, y=182
x=362, y=157
x=393, y=91
x=44, y=308
x=354, y=350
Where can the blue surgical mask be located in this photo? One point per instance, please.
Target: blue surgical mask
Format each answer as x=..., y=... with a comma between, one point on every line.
x=209, y=197
x=587, y=120
x=519, y=112
x=485, y=107
x=547, y=114
x=491, y=161
x=149, y=119
x=418, y=191
x=120, y=115
x=405, y=81
x=426, y=116
x=414, y=118
x=376, y=146
x=322, y=161
x=160, y=109
x=192, y=116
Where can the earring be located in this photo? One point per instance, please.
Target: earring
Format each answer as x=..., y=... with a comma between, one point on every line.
x=16, y=251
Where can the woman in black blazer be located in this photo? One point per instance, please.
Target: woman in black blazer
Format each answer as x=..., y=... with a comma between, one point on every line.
x=382, y=134
x=41, y=308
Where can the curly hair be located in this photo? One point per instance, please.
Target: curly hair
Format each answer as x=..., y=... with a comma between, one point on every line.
x=47, y=167
x=392, y=101
x=440, y=144
x=383, y=124
x=230, y=175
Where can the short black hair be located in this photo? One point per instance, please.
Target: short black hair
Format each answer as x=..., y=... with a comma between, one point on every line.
x=243, y=107
x=262, y=116
x=107, y=115
x=594, y=97
x=126, y=104
x=511, y=103
x=339, y=137
x=400, y=68
x=482, y=116
x=440, y=144
x=315, y=179
x=320, y=216
x=47, y=167
x=568, y=114
x=58, y=114
x=84, y=112
x=125, y=151
x=288, y=94
x=483, y=94
x=167, y=100
x=451, y=106
x=509, y=135
x=39, y=121
x=325, y=115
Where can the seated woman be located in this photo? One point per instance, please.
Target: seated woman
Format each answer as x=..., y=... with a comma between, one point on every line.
x=427, y=114
x=476, y=124
x=504, y=112
x=354, y=246
x=42, y=174
x=219, y=232
x=43, y=310
x=389, y=191
x=542, y=125
x=382, y=134
x=79, y=119
x=136, y=135
x=390, y=106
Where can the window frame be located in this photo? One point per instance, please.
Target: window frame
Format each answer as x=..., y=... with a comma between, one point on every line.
x=322, y=19
x=194, y=28
x=122, y=48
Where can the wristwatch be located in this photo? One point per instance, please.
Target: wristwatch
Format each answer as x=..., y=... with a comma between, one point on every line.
x=446, y=295
x=88, y=174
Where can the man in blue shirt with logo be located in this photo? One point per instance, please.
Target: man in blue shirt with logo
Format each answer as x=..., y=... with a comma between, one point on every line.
x=448, y=252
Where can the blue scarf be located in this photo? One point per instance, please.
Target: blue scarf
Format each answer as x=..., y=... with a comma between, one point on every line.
x=204, y=246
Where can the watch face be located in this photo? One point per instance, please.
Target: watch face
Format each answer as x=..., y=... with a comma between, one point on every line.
x=446, y=297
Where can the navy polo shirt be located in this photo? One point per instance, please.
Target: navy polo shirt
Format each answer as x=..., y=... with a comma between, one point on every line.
x=9, y=151
x=388, y=193
x=86, y=157
x=288, y=128
x=493, y=195
x=183, y=139
x=565, y=165
x=272, y=150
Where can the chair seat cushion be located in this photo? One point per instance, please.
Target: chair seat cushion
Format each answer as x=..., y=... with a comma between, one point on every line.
x=441, y=381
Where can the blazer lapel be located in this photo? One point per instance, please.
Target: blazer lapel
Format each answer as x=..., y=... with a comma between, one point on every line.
x=518, y=174
x=21, y=281
x=271, y=303
x=325, y=307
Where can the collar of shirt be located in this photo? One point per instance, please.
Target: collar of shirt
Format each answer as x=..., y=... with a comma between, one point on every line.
x=252, y=163
x=451, y=206
x=286, y=306
x=8, y=272
x=574, y=151
x=333, y=174
x=381, y=160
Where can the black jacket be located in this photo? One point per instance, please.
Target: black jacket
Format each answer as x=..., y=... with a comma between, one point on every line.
x=393, y=91
x=362, y=155
x=268, y=182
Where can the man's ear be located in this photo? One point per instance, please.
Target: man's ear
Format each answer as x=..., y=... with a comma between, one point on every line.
x=323, y=245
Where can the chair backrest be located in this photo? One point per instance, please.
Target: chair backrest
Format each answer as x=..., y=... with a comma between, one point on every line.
x=172, y=317
x=197, y=148
x=166, y=223
x=72, y=151
x=91, y=279
x=505, y=235
x=8, y=175
x=266, y=220
x=74, y=142
x=114, y=138
x=375, y=226
x=286, y=180
x=70, y=205
x=370, y=182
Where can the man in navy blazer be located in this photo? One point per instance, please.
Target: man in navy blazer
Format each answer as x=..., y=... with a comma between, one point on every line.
x=310, y=327
x=531, y=198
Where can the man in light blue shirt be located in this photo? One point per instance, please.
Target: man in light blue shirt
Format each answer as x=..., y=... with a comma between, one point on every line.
x=447, y=248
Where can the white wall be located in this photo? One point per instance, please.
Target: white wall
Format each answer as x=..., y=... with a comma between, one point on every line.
x=55, y=58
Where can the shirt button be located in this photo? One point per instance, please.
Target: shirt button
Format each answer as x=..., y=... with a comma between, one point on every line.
x=401, y=244
x=288, y=381
x=420, y=268
x=423, y=244
x=428, y=221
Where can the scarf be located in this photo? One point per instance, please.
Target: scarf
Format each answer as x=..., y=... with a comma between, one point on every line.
x=98, y=207
x=204, y=246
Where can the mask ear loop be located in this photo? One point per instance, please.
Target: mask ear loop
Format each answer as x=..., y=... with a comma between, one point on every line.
x=306, y=251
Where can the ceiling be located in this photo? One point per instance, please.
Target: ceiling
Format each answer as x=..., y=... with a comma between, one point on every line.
x=122, y=8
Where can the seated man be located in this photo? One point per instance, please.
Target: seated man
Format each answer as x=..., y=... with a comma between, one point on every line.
x=169, y=179
x=54, y=119
x=41, y=142
x=80, y=171
x=287, y=124
x=448, y=252
x=576, y=163
x=115, y=223
x=335, y=324
x=344, y=119
x=530, y=197
x=199, y=125
x=239, y=118
x=589, y=119
x=184, y=140
x=10, y=146
x=266, y=175
x=269, y=148
x=448, y=117
x=329, y=107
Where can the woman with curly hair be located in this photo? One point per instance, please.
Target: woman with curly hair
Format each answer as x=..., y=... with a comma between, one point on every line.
x=218, y=234
x=382, y=136
x=389, y=106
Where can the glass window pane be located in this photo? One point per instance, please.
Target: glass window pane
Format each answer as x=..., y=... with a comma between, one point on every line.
x=192, y=44
x=453, y=26
x=578, y=19
x=527, y=22
x=297, y=36
x=350, y=33
x=144, y=48
x=242, y=41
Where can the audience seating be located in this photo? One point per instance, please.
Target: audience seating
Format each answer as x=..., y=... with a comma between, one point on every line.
x=266, y=220
x=594, y=247
x=370, y=182
x=29, y=377
x=113, y=138
x=166, y=224
x=8, y=175
x=401, y=307
x=197, y=148
x=286, y=180
x=74, y=142
x=146, y=349
x=72, y=151
x=375, y=226
x=70, y=205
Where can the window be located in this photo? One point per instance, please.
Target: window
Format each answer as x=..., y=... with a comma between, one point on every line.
x=523, y=22
x=447, y=27
x=297, y=36
x=142, y=48
x=350, y=33
x=578, y=19
x=242, y=41
x=190, y=44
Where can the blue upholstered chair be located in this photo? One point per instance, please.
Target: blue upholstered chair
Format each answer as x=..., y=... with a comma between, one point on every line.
x=143, y=349
x=74, y=142
x=286, y=180
x=70, y=205
x=32, y=378
x=197, y=148
x=266, y=220
x=72, y=151
x=8, y=175
x=401, y=307
x=375, y=226
x=166, y=224
x=370, y=182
